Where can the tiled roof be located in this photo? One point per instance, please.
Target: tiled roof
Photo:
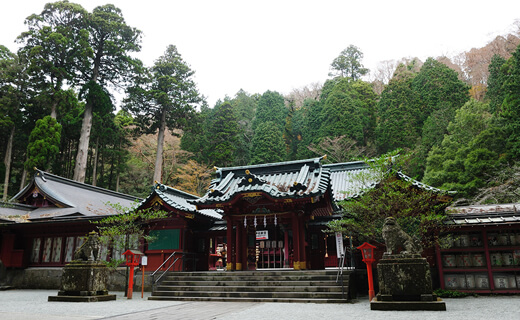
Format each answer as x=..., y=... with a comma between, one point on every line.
x=484, y=214
x=178, y=200
x=351, y=179
x=292, y=179
x=71, y=198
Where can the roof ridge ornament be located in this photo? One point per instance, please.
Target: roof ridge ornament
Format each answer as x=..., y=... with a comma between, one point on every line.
x=250, y=179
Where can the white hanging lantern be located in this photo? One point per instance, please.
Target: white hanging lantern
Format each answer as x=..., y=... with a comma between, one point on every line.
x=254, y=222
x=245, y=222
x=275, y=221
x=265, y=222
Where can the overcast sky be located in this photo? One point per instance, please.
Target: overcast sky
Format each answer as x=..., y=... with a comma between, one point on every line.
x=286, y=44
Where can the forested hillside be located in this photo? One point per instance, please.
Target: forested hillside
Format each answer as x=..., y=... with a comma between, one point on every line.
x=457, y=117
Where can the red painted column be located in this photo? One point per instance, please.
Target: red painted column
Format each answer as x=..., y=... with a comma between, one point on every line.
x=230, y=245
x=296, y=241
x=239, y=247
x=286, y=246
x=303, y=254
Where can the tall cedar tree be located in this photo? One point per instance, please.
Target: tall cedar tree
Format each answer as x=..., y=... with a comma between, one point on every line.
x=112, y=41
x=11, y=100
x=166, y=98
x=56, y=48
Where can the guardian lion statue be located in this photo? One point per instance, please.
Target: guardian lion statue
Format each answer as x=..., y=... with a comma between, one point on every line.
x=89, y=250
x=395, y=238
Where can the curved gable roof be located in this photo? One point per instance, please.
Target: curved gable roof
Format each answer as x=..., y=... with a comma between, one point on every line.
x=292, y=179
x=178, y=200
x=71, y=198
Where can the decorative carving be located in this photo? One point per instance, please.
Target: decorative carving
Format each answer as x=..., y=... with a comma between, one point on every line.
x=396, y=238
x=89, y=250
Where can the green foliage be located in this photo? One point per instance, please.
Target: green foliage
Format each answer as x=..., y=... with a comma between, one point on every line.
x=469, y=153
x=268, y=144
x=450, y=293
x=398, y=119
x=222, y=136
x=270, y=107
x=511, y=104
x=418, y=211
x=167, y=91
x=496, y=79
x=126, y=222
x=43, y=144
x=349, y=110
x=348, y=64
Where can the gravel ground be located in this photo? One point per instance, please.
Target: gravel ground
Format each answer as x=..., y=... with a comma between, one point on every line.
x=33, y=304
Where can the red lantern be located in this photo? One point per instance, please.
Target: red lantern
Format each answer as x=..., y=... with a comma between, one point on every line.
x=368, y=257
x=132, y=261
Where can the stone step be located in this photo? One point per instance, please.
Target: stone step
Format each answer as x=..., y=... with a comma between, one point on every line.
x=251, y=294
x=249, y=283
x=250, y=278
x=253, y=286
x=262, y=288
x=247, y=299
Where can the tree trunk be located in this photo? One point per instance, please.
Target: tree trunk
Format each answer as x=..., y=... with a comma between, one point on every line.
x=95, y=165
x=157, y=175
x=7, y=163
x=81, y=158
x=53, y=109
x=24, y=177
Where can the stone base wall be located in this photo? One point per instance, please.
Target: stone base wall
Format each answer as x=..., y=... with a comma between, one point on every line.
x=50, y=278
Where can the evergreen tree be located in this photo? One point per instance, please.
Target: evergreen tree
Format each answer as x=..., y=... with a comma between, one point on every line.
x=469, y=153
x=270, y=107
x=349, y=111
x=44, y=143
x=166, y=99
x=495, y=90
x=511, y=104
x=397, y=125
x=268, y=144
x=348, y=64
x=222, y=136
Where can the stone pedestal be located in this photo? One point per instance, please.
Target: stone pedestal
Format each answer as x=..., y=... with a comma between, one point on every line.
x=84, y=281
x=405, y=284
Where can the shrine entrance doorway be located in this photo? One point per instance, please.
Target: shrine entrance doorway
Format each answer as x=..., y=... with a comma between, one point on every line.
x=274, y=248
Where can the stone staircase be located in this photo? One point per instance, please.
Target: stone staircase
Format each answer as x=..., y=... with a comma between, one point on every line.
x=315, y=286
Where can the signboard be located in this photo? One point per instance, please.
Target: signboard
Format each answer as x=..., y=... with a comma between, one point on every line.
x=262, y=235
x=339, y=244
x=144, y=260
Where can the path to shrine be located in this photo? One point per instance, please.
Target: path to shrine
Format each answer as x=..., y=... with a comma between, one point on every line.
x=32, y=304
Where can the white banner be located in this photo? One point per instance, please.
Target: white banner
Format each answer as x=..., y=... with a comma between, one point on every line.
x=339, y=244
x=262, y=235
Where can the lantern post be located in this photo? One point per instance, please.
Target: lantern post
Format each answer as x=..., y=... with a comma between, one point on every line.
x=132, y=261
x=367, y=250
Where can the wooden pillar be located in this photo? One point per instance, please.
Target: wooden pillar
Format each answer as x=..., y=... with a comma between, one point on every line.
x=286, y=248
x=296, y=241
x=303, y=254
x=239, y=247
x=230, y=245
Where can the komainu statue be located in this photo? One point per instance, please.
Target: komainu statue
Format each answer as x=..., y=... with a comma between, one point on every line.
x=89, y=250
x=396, y=238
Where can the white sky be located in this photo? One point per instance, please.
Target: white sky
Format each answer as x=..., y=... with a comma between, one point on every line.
x=286, y=44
